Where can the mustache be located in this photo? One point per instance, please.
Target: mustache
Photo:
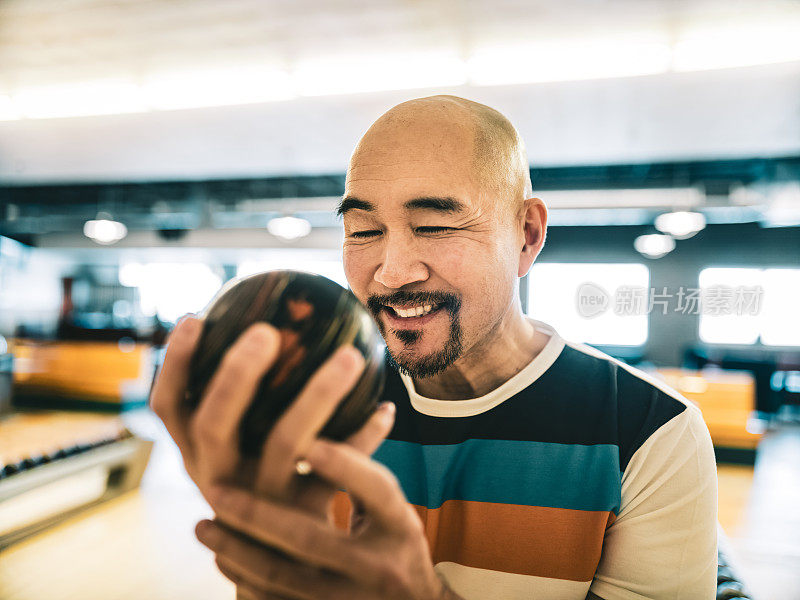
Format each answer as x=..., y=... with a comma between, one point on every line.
x=448, y=301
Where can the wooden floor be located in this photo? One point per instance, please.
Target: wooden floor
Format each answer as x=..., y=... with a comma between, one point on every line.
x=760, y=512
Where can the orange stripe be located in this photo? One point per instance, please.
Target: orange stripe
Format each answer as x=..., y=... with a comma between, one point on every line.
x=340, y=510
x=512, y=538
x=528, y=540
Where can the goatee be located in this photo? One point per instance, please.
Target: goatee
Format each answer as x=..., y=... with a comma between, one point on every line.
x=405, y=360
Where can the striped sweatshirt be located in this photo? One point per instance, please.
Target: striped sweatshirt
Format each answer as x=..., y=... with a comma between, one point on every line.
x=580, y=472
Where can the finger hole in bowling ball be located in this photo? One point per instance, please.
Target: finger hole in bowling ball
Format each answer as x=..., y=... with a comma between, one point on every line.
x=314, y=317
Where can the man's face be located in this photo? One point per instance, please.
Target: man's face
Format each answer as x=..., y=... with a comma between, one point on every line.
x=421, y=237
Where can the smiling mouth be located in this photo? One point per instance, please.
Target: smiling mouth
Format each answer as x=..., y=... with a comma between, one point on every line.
x=411, y=310
x=408, y=312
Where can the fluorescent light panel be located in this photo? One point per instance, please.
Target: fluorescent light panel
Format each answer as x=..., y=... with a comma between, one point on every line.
x=371, y=73
x=8, y=110
x=219, y=87
x=696, y=47
x=624, y=198
x=79, y=99
x=568, y=60
x=740, y=46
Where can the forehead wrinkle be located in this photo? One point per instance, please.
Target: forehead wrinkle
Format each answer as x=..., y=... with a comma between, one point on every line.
x=396, y=163
x=391, y=178
x=383, y=170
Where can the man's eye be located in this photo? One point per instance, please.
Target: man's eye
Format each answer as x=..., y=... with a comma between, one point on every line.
x=432, y=229
x=365, y=234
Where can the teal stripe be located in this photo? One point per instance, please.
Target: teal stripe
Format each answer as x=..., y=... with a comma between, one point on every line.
x=569, y=476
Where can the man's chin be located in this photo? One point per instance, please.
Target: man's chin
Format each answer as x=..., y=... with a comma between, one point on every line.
x=414, y=342
x=418, y=369
x=414, y=361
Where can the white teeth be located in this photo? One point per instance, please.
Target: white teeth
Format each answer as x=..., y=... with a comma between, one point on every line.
x=416, y=311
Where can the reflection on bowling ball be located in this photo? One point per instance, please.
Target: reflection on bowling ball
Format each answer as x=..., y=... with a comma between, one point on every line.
x=314, y=316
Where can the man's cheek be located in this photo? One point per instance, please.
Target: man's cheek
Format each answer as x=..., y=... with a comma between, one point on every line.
x=357, y=271
x=455, y=263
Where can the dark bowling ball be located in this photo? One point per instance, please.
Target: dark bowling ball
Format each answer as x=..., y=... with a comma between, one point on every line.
x=314, y=316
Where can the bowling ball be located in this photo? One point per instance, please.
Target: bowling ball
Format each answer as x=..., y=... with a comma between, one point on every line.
x=314, y=317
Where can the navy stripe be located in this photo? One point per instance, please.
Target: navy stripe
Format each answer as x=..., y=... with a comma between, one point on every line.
x=510, y=472
x=581, y=399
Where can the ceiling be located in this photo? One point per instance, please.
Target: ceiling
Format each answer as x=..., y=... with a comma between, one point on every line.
x=47, y=39
x=742, y=102
x=287, y=86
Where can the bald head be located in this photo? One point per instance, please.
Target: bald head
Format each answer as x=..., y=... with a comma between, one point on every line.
x=427, y=127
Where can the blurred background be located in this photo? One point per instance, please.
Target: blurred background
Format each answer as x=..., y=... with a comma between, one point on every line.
x=151, y=151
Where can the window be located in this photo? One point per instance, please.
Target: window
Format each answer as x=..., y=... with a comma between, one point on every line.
x=761, y=304
x=589, y=302
x=170, y=290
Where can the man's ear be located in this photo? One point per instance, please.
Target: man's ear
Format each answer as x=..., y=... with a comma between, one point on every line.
x=534, y=231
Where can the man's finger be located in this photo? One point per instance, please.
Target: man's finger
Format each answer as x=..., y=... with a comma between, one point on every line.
x=296, y=428
x=374, y=431
x=166, y=398
x=370, y=483
x=265, y=569
x=315, y=495
x=229, y=573
x=229, y=393
x=292, y=531
x=244, y=591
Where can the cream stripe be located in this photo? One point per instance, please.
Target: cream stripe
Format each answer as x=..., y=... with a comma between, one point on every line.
x=483, y=584
x=476, y=406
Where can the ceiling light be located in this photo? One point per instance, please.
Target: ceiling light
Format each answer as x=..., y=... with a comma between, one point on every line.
x=289, y=228
x=568, y=60
x=79, y=99
x=680, y=224
x=216, y=87
x=783, y=207
x=654, y=245
x=372, y=73
x=103, y=230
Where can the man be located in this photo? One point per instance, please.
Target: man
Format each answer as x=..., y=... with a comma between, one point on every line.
x=518, y=465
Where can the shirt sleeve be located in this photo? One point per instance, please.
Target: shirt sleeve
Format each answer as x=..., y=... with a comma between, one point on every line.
x=663, y=544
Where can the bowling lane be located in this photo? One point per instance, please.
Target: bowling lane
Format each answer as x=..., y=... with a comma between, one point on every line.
x=139, y=545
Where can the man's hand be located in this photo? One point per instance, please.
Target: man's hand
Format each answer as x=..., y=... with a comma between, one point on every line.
x=293, y=554
x=208, y=437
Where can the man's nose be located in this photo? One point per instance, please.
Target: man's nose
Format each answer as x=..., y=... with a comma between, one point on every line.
x=401, y=265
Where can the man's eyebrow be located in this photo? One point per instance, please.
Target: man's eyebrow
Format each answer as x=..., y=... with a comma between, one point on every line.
x=445, y=204
x=351, y=203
